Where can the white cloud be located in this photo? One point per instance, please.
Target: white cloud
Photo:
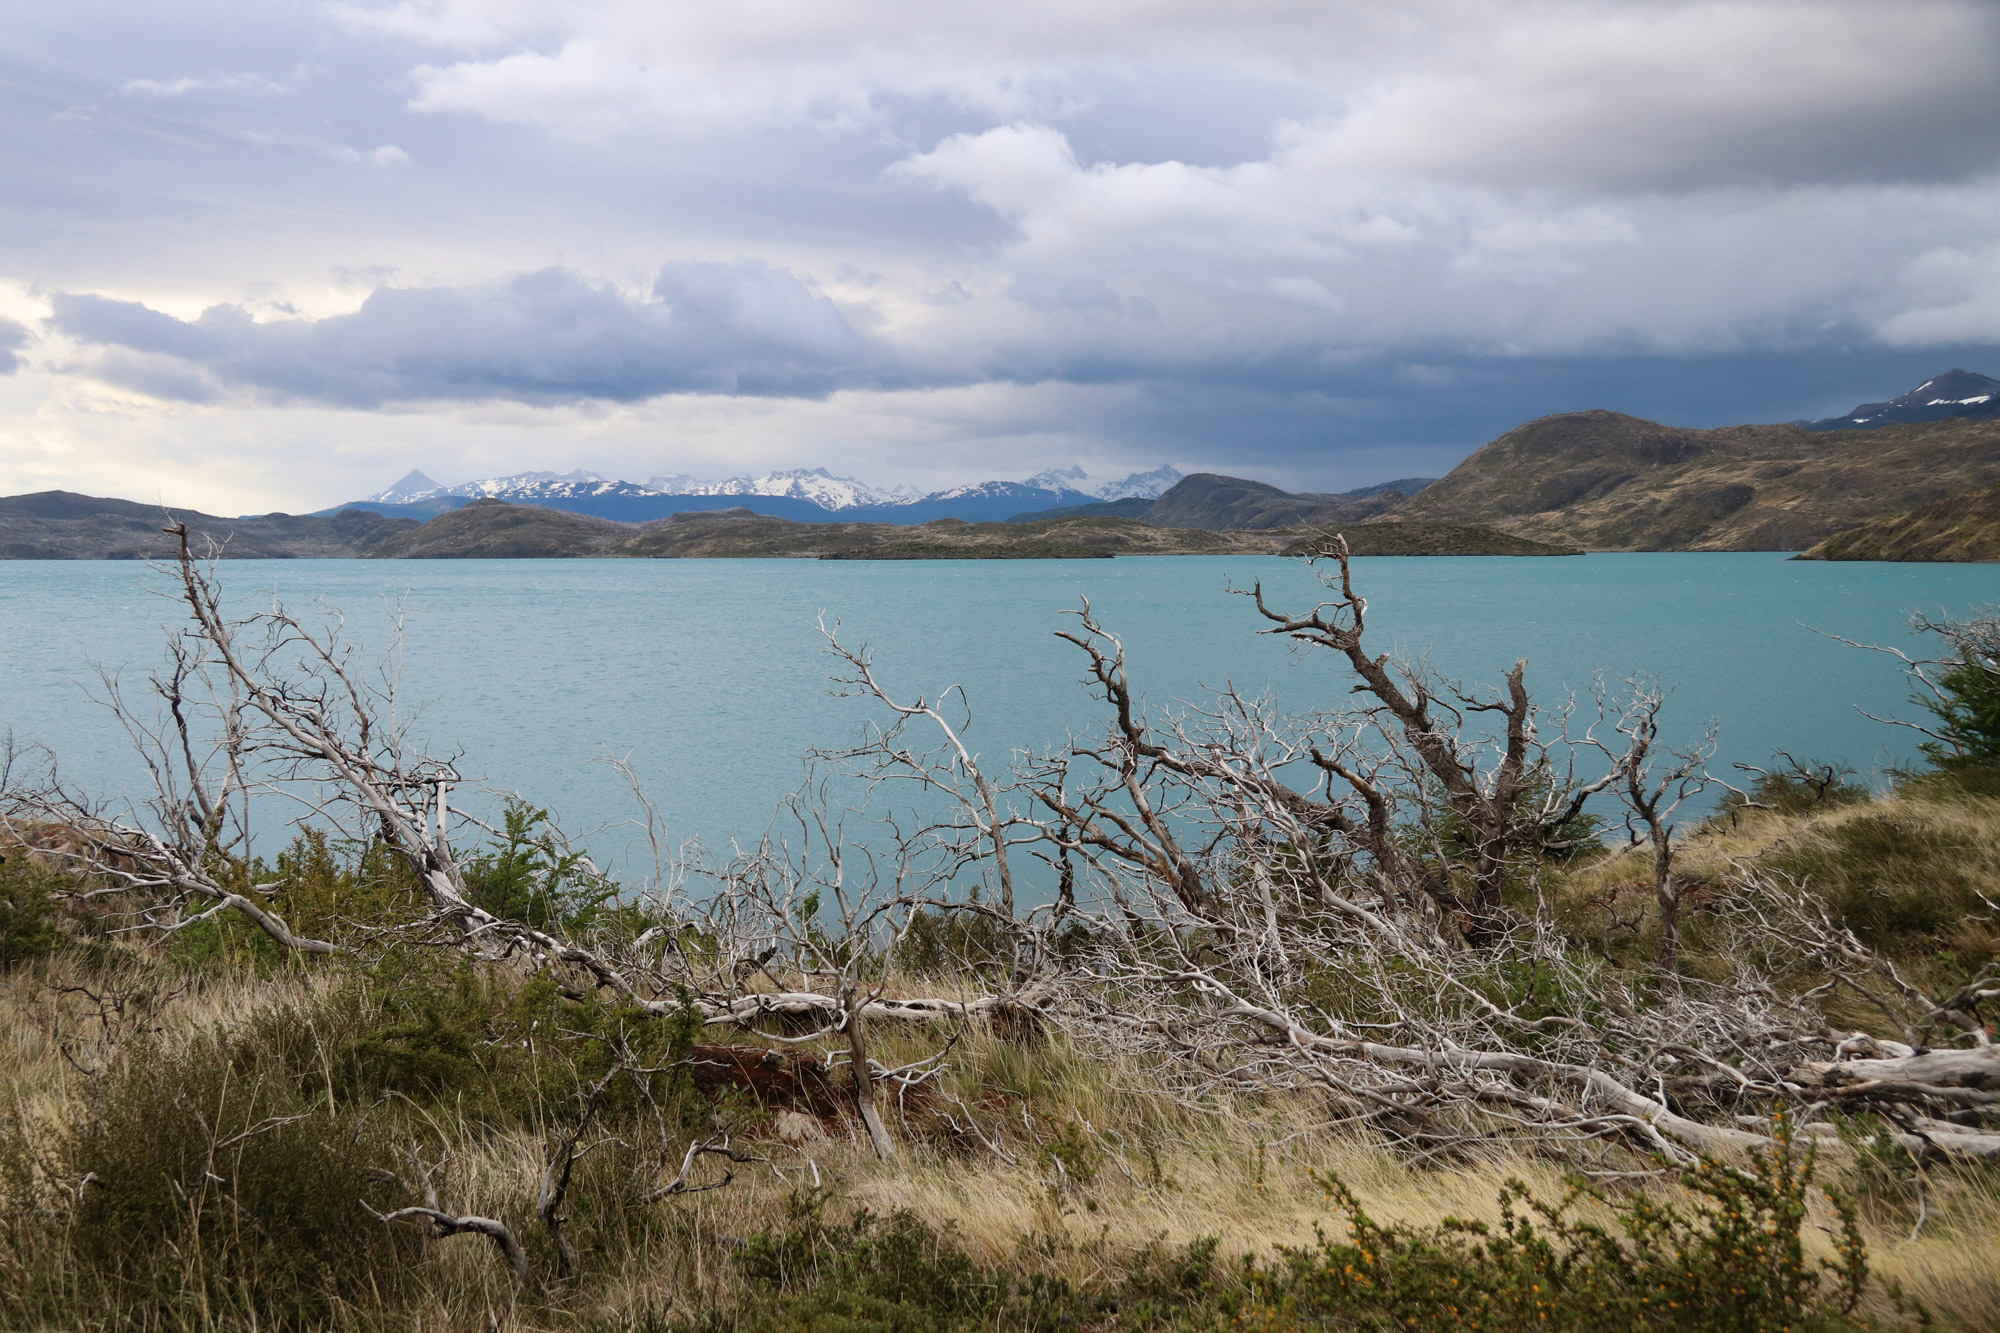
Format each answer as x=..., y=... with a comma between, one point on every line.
x=387, y=155
x=1291, y=226
x=1664, y=94
x=1954, y=296
x=1297, y=256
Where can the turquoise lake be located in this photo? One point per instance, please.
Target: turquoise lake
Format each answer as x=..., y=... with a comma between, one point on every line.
x=709, y=674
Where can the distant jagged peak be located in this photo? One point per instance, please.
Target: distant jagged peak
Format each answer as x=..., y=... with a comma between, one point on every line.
x=815, y=485
x=1956, y=393
x=1143, y=485
x=414, y=485
x=801, y=483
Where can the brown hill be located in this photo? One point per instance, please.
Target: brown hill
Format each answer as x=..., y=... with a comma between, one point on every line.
x=1612, y=482
x=492, y=529
x=1962, y=528
x=738, y=532
x=63, y=525
x=496, y=530
x=1233, y=504
x=1423, y=537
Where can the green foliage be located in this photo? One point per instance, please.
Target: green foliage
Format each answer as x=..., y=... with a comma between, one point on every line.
x=530, y=876
x=1895, y=885
x=455, y=1034
x=1804, y=788
x=213, y=1187
x=1443, y=839
x=877, y=1275
x=949, y=944
x=1733, y=1261
x=27, y=911
x=322, y=888
x=1966, y=709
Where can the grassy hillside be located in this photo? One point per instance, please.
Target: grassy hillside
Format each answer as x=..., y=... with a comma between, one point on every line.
x=491, y=529
x=1209, y=500
x=1613, y=482
x=1423, y=537
x=1962, y=528
x=741, y=533
x=62, y=525
x=496, y=530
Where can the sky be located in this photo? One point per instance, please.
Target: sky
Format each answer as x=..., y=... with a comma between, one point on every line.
x=271, y=254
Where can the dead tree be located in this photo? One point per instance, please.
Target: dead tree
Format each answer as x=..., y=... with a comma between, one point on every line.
x=273, y=708
x=440, y=1225
x=1500, y=814
x=1653, y=783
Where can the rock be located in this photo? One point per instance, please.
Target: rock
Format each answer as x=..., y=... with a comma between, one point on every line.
x=797, y=1128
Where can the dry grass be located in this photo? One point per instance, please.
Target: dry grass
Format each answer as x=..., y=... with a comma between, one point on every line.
x=1914, y=872
x=1094, y=1157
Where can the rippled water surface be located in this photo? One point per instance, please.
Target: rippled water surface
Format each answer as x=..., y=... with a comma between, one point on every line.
x=710, y=674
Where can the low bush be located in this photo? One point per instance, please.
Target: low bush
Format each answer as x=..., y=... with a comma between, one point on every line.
x=28, y=927
x=1732, y=1261
x=1804, y=788
x=1897, y=875
x=206, y=1191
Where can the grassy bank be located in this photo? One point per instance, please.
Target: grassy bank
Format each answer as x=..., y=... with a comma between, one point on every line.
x=198, y=1136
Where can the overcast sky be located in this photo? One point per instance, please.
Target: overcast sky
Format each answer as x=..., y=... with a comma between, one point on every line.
x=270, y=254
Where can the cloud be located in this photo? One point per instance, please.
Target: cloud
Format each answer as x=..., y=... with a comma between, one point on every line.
x=1276, y=269
x=1672, y=94
x=13, y=337
x=1953, y=296
x=1686, y=96
x=1271, y=235
x=188, y=84
x=743, y=328
x=388, y=155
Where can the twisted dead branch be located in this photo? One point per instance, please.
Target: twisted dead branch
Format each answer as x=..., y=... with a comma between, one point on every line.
x=1345, y=903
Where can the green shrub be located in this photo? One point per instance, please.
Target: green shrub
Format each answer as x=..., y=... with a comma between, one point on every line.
x=1733, y=1261
x=1804, y=788
x=1896, y=884
x=1966, y=709
x=443, y=1031
x=213, y=1184
x=530, y=876
x=877, y=1275
x=27, y=911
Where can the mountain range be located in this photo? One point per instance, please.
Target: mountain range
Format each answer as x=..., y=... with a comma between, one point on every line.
x=807, y=495
x=1910, y=478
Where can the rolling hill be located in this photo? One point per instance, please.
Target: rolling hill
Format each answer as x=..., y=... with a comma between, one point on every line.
x=1609, y=481
x=1962, y=528
x=63, y=525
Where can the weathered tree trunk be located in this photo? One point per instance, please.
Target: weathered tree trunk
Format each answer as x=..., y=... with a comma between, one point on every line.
x=864, y=1085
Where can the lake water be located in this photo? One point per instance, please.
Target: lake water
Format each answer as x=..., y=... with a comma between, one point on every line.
x=710, y=674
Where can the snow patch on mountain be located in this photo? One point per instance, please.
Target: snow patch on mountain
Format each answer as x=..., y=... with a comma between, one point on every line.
x=815, y=484
x=1146, y=485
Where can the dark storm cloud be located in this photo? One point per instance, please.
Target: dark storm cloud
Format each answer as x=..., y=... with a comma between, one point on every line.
x=548, y=337
x=1308, y=239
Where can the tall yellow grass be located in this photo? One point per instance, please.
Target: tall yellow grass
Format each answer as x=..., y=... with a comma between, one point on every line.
x=1141, y=1163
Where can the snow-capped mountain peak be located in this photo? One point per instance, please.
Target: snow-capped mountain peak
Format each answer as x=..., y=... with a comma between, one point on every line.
x=800, y=483
x=819, y=490
x=1148, y=485
x=413, y=485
